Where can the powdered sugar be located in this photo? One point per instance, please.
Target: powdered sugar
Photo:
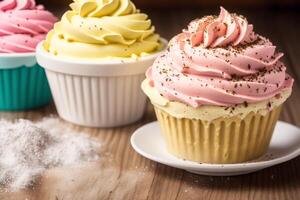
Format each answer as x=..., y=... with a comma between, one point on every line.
x=28, y=149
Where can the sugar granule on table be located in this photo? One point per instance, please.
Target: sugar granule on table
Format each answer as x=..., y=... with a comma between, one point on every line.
x=28, y=149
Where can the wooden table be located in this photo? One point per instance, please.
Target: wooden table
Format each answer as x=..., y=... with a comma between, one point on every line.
x=123, y=174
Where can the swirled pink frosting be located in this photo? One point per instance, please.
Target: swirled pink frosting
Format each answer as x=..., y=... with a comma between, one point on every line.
x=219, y=61
x=23, y=24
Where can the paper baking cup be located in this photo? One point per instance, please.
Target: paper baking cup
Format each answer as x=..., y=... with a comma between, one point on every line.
x=97, y=93
x=224, y=140
x=23, y=83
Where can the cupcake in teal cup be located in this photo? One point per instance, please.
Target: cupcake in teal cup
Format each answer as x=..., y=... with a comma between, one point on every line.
x=23, y=83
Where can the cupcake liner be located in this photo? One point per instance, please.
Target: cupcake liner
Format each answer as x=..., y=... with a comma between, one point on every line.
x=98, y=101
x=23, y=88
x=223, y=140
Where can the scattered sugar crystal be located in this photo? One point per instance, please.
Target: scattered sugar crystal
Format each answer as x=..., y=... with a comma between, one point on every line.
x=28, y=149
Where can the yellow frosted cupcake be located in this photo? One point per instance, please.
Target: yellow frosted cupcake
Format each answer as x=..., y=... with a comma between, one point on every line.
x=218, y=90
x=96, y=58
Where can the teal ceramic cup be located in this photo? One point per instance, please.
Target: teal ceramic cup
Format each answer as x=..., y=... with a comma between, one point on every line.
x=23, y=83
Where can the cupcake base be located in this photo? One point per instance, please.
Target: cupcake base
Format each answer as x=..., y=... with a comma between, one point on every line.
x=23, y=88
x=223, y=140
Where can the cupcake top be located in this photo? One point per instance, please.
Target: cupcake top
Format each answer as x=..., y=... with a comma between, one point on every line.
x=23, y=24
x=219, y=60
x=102, y=29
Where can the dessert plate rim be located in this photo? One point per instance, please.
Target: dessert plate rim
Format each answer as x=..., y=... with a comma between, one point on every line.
x=206, y=168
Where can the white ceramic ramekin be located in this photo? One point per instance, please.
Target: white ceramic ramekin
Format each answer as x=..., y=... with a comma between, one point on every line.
x=97, y=93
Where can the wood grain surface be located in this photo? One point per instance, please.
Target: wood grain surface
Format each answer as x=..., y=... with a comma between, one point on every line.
x=123, y=174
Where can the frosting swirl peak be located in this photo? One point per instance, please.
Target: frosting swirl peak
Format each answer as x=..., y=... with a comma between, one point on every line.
x=101, y=8
x=227, y=28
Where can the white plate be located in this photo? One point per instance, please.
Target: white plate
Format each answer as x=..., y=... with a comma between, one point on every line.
x=285, y=145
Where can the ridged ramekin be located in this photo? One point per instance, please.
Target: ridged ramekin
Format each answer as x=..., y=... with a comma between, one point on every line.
x=224, y=140
x=97, y=93
x=23, y=83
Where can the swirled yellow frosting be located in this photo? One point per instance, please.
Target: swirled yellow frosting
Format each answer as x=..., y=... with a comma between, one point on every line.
x=101, y=29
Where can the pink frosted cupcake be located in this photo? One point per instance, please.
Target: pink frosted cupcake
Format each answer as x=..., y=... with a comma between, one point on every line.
x=218, y=90
x=23, y=83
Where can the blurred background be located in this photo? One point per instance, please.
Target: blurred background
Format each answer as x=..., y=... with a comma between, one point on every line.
x=183, y=11
x=200, y=3
x=170, y=16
